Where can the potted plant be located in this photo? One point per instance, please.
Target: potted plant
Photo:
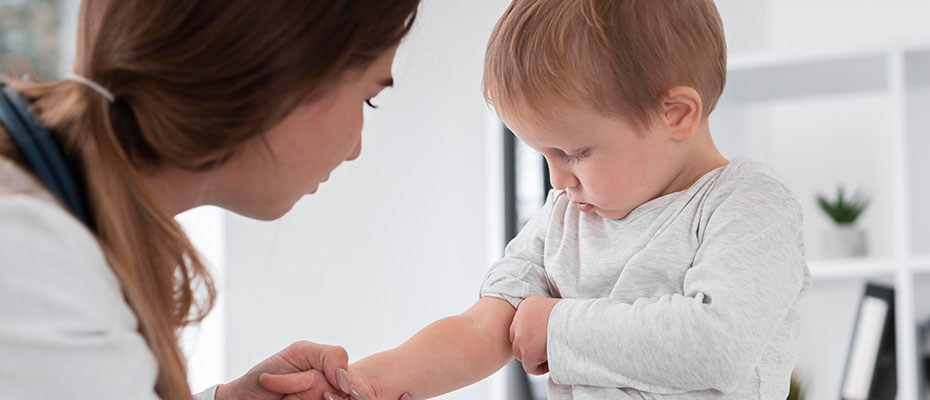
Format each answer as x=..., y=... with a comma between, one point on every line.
x=845, y=239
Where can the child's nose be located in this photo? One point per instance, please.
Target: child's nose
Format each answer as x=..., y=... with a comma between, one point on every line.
x=561, y=179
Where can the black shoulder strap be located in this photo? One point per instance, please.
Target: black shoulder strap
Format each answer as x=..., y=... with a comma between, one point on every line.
x=42, y=153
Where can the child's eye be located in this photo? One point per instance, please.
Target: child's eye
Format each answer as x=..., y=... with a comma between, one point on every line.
x=368, y=101
x=577, y=157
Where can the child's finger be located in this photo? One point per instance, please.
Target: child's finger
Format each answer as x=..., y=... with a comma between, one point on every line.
x=536, y=367
x=517, y=353
x=512, y=332
x=541, y=368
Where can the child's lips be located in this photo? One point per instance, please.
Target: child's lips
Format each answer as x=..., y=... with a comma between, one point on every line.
x=585, y=207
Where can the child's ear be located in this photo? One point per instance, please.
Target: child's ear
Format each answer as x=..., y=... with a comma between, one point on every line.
x=683, y=111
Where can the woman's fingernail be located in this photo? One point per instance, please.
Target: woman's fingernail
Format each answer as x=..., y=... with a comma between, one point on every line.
x=406, y=397
x=358, y=394
x=342, y=378
x=330, y=396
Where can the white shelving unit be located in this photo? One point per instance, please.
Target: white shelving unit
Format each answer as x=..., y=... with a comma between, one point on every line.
x=860, y=118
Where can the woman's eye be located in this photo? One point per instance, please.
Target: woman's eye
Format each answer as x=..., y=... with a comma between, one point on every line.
x=368, y=102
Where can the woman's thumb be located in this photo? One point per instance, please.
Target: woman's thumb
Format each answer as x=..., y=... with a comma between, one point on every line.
x=290, y=383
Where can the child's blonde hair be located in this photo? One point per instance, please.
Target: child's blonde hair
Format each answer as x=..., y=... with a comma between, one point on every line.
x=619, y=57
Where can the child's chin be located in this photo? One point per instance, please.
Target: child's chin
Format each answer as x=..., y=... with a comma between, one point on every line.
x=611, y=214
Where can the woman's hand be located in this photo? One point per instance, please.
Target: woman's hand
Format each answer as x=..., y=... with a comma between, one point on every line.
x=334, y=383
x=529, y=333
x=363, y=385
x=366, y=385
x=307, y=368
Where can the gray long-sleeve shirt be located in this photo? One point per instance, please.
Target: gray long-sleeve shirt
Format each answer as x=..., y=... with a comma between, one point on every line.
x=693, y=295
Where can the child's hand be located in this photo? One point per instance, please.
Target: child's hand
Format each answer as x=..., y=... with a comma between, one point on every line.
x=528, y=333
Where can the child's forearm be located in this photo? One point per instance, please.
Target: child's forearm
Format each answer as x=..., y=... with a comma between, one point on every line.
x=447, y=355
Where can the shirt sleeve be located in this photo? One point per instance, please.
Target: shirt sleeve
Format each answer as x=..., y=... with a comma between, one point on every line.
x=207, y=394
x=521, y=273
x=65, y=330
x=747, y=275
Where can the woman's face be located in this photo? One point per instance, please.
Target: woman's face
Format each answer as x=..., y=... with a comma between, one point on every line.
x=271, y=172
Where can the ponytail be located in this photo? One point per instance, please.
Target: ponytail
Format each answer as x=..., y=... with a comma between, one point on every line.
x=147, y=250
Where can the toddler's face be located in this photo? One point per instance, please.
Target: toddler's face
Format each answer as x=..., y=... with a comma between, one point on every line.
x=604, y=165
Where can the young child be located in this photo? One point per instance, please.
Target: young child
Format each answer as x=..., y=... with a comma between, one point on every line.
x=656, y=269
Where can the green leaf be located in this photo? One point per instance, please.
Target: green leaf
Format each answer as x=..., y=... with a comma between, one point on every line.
x=844, y=210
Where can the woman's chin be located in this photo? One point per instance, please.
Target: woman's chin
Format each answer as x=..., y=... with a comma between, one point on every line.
x=265, y=212
x=267, y=208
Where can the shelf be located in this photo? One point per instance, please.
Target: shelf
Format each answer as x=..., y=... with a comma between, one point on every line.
x=760, y=60
x=807, y=77
x=765, y=77
x=917, y=64
x=852, y=268
x=921, y=265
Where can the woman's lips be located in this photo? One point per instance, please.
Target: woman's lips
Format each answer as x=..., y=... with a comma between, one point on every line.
x=317, y=186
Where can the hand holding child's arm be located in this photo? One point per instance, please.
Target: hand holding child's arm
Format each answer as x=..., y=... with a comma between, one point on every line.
x=449, y=354
x=303, y=367
x=528, y=332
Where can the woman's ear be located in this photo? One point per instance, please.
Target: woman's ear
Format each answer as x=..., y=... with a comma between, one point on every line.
x=683, y=112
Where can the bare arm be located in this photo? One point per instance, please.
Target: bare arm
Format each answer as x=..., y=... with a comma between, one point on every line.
x=446, y=355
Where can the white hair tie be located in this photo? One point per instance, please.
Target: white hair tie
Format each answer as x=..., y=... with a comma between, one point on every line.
x=91, y=84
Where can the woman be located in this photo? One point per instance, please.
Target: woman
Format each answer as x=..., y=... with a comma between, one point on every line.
x=247, y=105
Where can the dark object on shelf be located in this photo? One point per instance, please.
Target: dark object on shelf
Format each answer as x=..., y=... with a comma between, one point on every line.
x=924, y=355
x=870, y=367
x=926, y=368
x=798, y=388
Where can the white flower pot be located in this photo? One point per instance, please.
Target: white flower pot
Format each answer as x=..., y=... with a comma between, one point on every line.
x=845, y=241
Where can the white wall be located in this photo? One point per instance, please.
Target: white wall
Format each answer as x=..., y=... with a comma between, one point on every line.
x=803, y=25
x=747, y=24
x=396, y=239
x=918, y=125
x=834, y=129
x=204, y=344
x=824, y=24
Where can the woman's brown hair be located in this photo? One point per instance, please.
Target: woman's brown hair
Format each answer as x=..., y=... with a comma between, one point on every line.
x=193, y=80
